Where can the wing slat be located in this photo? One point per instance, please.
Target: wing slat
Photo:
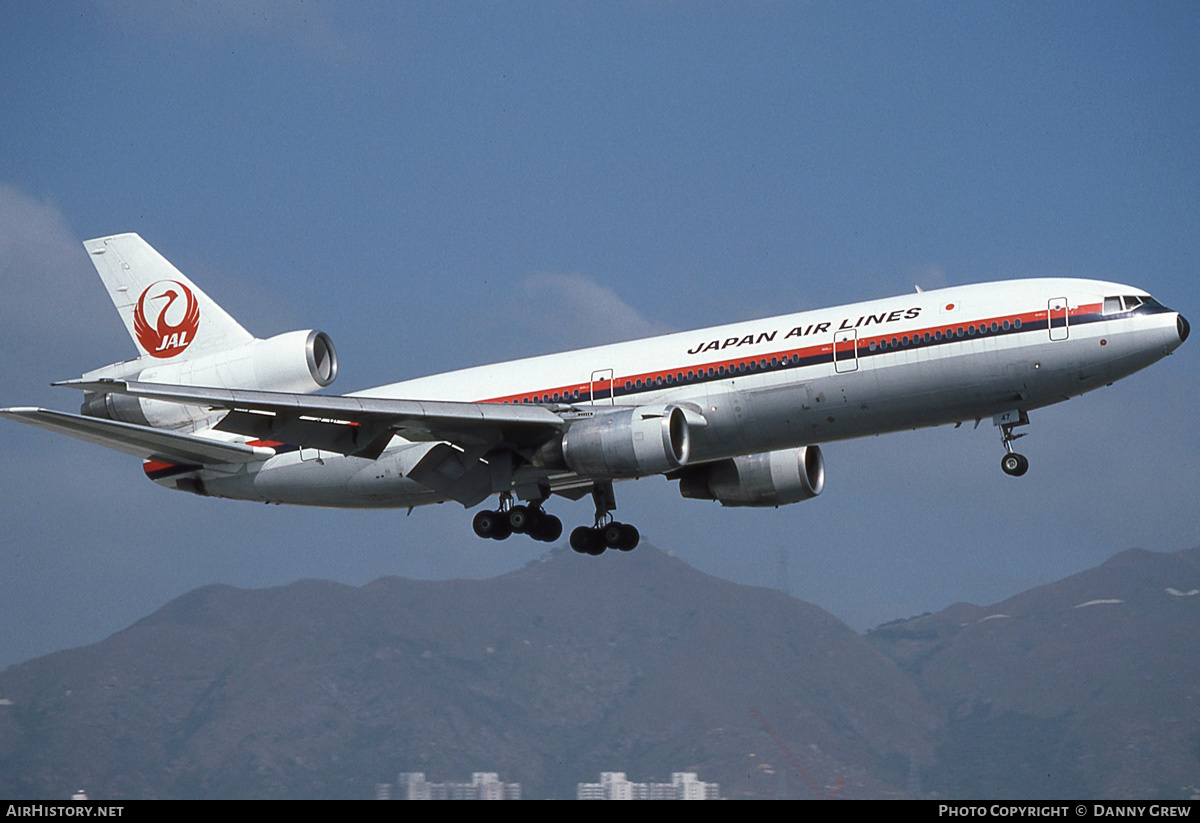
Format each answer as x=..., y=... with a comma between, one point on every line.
x=464, y=424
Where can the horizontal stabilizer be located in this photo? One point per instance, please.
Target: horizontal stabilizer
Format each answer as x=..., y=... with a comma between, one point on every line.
x=140, y=441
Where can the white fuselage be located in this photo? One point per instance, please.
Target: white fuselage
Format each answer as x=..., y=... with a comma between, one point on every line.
x=924, y=359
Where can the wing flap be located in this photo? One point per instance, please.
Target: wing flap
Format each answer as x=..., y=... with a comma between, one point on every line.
x=141, y=441
x=458, y=476
x=340, y=436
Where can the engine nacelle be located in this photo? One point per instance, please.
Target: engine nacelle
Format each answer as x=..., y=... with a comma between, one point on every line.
x=628, y=443
x=297, y=361
x=766, y=479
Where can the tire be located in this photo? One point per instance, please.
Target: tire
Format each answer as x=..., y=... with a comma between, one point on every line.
x=502, y=530
x=581, y=540
x=613, y=535
x=519, y=520
x=629, y=538
x=1014, y=465
x=548, y=530
x=485, y=523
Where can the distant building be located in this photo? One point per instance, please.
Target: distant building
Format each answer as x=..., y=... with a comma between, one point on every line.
x=414, y=786
x=615, y=786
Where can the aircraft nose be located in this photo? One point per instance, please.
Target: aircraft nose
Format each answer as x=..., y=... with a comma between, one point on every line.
x=1182, y=325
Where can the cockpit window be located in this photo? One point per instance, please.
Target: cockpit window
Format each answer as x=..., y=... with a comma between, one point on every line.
x=1129, y=302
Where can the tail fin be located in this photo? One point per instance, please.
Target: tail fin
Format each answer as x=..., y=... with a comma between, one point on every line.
x=167, y=315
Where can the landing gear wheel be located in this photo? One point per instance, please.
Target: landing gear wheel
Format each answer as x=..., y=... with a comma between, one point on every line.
x=491, y=524
x=524, y=520
x=548, y=529
x=1014, y=464
x=581, y=539
x=629, y=538
x=503, y=530
x=613, y=535
x=619, y=536
x=588, y=541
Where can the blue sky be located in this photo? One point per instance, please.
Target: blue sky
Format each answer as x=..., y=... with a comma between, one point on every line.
x=443, y=185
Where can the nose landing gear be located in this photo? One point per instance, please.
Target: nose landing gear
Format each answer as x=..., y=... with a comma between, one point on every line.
x=1011, y=463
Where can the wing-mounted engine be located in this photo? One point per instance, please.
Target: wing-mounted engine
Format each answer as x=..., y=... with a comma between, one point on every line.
x=766, y=479
x=298, y=362
x=625, y=443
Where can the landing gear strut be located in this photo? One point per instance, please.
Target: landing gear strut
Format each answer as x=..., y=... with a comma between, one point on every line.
x=606, y=533
x=1011, y=463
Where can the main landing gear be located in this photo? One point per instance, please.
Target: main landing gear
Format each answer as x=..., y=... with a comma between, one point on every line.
x=510, y=519
x=1011, y=463
x=607, y=533
x=612, y=535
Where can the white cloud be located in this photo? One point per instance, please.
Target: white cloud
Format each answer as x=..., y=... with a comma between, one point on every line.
x=55, y=313
x=930, y=277
x=581, y=311
x=34, y=243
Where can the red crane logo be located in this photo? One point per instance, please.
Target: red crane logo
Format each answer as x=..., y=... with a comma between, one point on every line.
x=164, y=338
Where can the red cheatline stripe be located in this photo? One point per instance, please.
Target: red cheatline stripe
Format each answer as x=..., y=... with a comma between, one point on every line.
x=647, y=378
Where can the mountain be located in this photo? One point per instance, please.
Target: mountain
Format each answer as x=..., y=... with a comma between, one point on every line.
x=548, y=675
x=1088, y=687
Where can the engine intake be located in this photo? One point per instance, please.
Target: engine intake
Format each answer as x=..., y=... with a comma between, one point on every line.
x=766, y=479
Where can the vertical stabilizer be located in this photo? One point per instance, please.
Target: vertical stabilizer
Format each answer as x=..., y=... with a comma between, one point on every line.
x=169, y=318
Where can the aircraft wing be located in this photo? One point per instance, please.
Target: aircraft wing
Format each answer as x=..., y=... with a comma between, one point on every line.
x=360, y=426
x=141, y=441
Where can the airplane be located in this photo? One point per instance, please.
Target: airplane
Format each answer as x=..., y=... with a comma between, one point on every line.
x=735, y=413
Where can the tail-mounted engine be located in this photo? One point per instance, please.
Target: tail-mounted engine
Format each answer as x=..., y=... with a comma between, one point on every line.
x=297, y=362
x=627, y=443
x=766, y=479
